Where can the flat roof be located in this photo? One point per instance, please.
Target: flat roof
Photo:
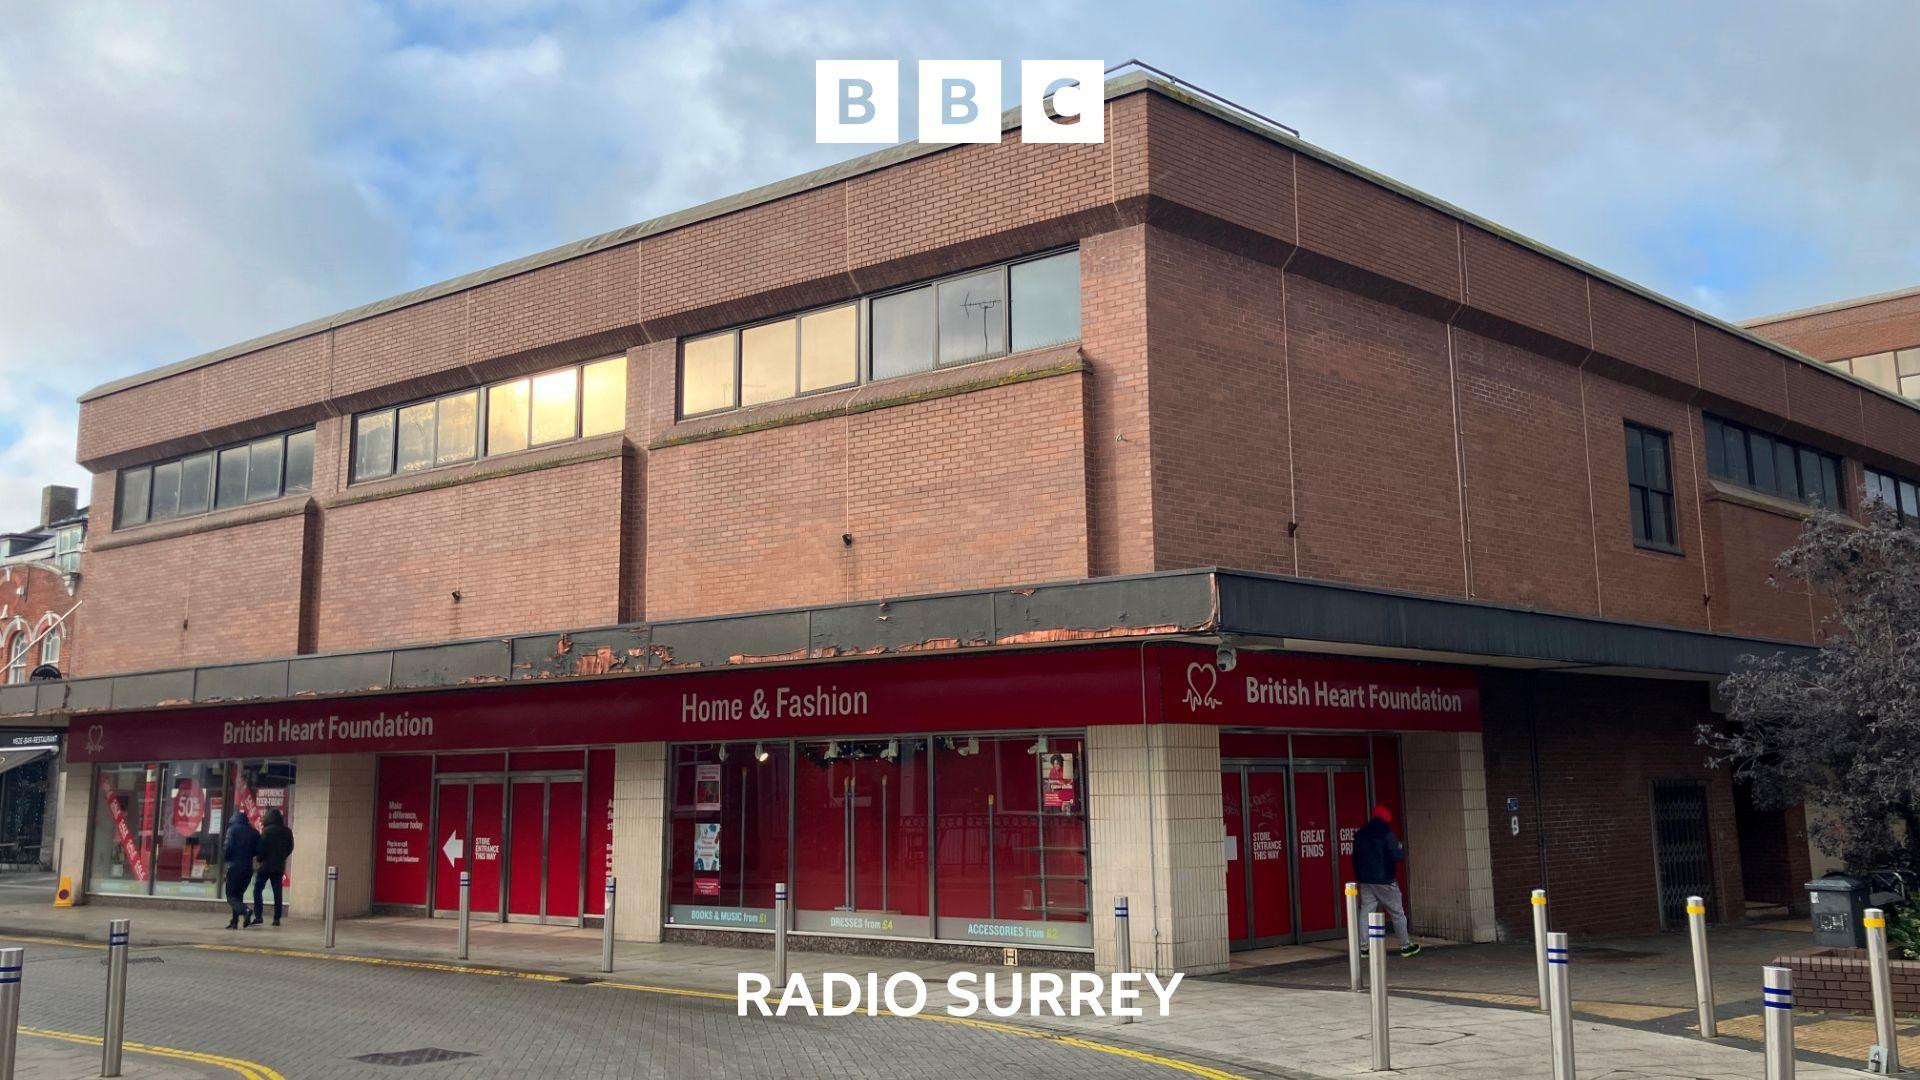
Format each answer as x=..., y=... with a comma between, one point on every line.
x=1119, y=86
x=1837, y=305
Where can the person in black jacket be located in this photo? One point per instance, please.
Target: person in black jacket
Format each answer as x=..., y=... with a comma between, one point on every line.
x=276, y=844
x=1376, y=863
x=242, y=845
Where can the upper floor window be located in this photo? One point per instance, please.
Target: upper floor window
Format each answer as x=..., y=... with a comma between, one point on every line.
x=50, y=648
x=249, y=472
x=973, y=316
x=66, y=547
x=1897, y=492
x=1778, y=466
x=556, y=406
x=1650, y=488
x=1896, y=371
x=17, y=656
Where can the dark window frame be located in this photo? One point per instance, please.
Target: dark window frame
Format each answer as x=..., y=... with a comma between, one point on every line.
x=482, y=452
x=863, y=330
x=1722, y=435
x=1877, y=478
x=214, y=506
x=1647, y=498
x=860, y=353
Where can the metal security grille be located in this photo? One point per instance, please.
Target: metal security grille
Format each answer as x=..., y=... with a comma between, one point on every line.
x=1682, y=851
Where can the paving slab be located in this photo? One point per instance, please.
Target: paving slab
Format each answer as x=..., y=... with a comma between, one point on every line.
x=1286, y=1023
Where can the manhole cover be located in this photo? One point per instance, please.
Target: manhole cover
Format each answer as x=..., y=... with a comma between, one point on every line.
x=424, y=1056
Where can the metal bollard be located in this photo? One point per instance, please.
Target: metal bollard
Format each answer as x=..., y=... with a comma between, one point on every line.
x=11, y=963
x=1377, y=963
x=1353, y=936
x=333, y=883
x=1122, y=941
x=118, y=931
x=606, y=925
x=1560, y=1009
x=1885, y=1056
x=466, y=909
x=780, y=934
x=1702, y=967
x=1540, y=943
x=1776, y=993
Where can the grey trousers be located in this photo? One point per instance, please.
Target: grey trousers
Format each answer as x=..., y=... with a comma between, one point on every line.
x=1385, y=898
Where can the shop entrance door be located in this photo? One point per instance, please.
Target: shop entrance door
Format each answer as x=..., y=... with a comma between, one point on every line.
x=545, y=869
x=468, y=834
x=1329, y=806
x=1254, y=812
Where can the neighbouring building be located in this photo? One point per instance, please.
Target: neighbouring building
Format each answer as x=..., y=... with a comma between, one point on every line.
x=1876, y=338
x=39, y=602
x=966, y=536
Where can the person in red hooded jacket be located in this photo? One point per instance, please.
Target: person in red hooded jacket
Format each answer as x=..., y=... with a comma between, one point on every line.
x=1377, y=856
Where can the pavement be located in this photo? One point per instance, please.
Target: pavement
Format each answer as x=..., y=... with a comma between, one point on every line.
x=531, y=999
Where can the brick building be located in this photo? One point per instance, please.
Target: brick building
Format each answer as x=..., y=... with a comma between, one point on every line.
x=39, y=605
x=966, y=535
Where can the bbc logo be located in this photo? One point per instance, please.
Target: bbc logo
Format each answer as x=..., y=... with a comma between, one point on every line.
x=858, y=101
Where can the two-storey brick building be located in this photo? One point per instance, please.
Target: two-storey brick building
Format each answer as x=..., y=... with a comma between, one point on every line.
x=967, y=535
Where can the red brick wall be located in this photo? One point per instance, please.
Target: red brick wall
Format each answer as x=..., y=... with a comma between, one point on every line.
x=1638, y=584
x=1597, y=820
x=1530, y=523
x=1744, y=542
x=1378, y=488
x=1221, y=482
x=973, y=490
x=1843, y=333
x=1423, y=399
x=1119, y=454
x=36, y=603
x=527, y=552
x=217, y=596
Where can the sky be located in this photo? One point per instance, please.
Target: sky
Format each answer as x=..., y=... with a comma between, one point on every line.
x=175, y=178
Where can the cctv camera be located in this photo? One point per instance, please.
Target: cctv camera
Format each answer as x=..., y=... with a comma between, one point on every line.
x=1224, y=658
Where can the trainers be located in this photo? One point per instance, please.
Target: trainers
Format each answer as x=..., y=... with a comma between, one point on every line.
x=1411, y=950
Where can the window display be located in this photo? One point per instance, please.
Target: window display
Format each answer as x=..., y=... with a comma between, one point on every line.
x=157, y=827
x=1010, y=840
x=958, y=837
x=863, y=868
x=729, y=833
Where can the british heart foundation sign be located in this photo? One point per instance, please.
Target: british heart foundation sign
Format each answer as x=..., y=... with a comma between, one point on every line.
x=1065, y=688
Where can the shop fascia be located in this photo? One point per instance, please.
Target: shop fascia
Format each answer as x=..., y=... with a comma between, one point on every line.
x=1070, y=688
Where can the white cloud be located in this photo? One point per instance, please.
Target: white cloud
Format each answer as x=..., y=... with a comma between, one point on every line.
x=174, y=178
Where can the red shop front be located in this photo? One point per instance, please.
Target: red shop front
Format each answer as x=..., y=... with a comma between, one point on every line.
x=928, y=797
x=533, y=828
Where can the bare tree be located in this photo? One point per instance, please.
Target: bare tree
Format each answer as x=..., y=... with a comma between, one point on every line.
x=1839, y=730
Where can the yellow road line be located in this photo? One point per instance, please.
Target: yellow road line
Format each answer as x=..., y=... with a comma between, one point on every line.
x=416, y=965
x=251, y=1070
x=68, y=942
x=675, y=990
x=1176, y=1064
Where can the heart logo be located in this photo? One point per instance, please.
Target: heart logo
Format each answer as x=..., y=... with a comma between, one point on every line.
x=96, y=739
x=1197, y=696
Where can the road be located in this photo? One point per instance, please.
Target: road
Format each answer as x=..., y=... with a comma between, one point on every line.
x=322, y=1016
